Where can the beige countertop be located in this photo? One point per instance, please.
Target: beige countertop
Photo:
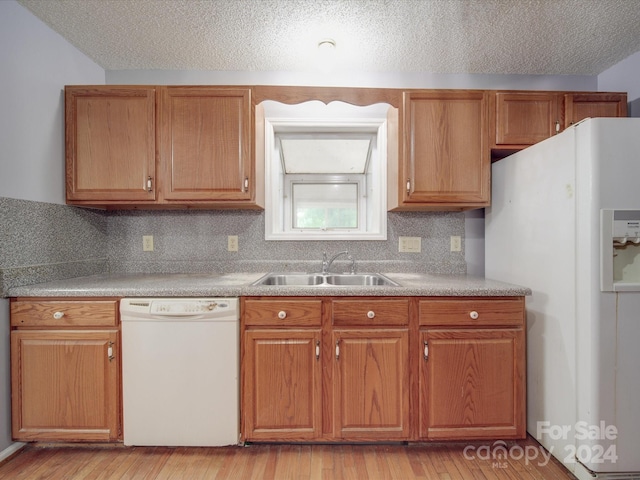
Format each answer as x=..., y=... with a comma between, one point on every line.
x=239, y=284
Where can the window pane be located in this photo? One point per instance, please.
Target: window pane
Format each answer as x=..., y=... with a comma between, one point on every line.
x=338, y=153
x=325, y=206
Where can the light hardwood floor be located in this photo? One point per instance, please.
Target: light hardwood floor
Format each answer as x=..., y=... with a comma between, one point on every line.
x=281, y=462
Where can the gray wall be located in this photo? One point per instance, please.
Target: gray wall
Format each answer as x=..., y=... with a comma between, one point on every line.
x=36, y=64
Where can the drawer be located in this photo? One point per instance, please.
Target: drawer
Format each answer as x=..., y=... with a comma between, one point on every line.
x=279, y=312
x=370, y=312
x=64, y=313
x=472, y=312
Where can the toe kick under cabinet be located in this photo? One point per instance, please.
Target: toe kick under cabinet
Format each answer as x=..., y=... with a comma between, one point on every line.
x=382, y=368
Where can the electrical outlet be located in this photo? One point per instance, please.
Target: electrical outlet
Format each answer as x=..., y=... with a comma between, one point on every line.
x=232, y=243
x=409, y=244
x=456, y=243
x=147, y=243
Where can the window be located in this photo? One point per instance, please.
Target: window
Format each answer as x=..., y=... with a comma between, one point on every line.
x=325, y=179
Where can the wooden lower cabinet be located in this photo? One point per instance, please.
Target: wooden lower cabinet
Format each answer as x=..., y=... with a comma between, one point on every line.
x=65, y=370
x=376, y=369
x=371, y=384
x=64, y=385
x=470, y=384
x=282, y=385
x=472, y=370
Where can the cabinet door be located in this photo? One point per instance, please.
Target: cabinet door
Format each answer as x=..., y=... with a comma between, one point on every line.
x=446, y=156
x=525, y=118
x=282, y=387
x=371, y=384
x=472, y=384
x=110, y=144
x=206, y=144
x=579, y=106
x=65, y=385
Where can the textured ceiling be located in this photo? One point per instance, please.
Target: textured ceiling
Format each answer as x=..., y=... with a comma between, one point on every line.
x=577, y=37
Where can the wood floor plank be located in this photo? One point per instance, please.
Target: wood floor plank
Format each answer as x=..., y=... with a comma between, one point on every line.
x=278, y=462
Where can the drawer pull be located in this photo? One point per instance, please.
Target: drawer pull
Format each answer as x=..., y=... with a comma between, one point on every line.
x=58, y=315
x=474, y=315
x=371, y=314
x=282, y=314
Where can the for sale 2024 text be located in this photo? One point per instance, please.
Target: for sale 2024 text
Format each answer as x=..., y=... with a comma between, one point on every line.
x=590, y=452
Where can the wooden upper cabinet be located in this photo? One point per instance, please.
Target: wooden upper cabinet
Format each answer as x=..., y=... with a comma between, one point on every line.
x=110, y=144
x=444, y=157
x=579, y=106
x=206, y=139
x=525, y=118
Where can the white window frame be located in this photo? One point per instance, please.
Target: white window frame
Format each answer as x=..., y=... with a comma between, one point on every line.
x=373, y=213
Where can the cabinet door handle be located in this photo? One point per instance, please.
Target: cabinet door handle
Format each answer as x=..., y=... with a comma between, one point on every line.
x=408, y=186
x=149, y=184
x=337, y=349
x=245, y=185
x=557, y=126
x=58, y=315
x=110, y=351
x=426, y=351
x=317, y=349
x=474, y=315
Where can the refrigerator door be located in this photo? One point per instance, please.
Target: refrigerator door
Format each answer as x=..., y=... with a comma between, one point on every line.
x=608, y=377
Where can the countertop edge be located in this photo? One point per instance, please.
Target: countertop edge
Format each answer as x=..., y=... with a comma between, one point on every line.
x=239, y=285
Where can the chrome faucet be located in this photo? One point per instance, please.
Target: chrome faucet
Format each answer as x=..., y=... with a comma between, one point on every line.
x=326, y=264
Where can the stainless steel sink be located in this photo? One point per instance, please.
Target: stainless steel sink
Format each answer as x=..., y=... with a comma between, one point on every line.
x=363, y=279
x=328, y=280
x=290, y=279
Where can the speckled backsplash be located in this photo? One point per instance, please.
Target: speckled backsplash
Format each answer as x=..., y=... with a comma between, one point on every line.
x=40, y=242
x=44, y=241
x=196, y=241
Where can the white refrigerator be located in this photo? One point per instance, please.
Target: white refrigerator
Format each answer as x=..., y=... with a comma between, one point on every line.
x=565, y=221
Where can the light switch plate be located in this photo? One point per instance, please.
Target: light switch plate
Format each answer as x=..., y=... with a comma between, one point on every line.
x=147, y=243
x=232, y=243
x=456, y=243
x=409, y=244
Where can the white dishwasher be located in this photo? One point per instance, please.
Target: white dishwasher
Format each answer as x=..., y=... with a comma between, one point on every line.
x=180, y=369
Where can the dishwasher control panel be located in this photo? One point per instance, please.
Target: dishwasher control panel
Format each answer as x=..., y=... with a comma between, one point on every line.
x=176, y=307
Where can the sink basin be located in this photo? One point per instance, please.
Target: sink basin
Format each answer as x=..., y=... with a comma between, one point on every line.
x=329, y=280
x=363, y=279
x=290, y=279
